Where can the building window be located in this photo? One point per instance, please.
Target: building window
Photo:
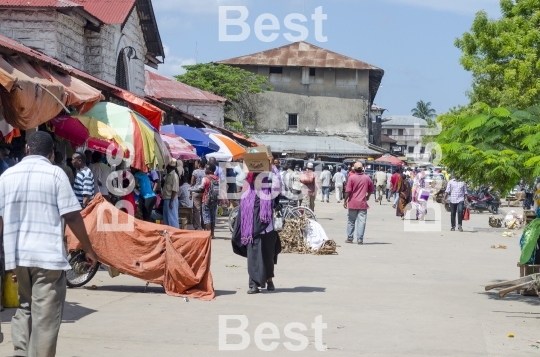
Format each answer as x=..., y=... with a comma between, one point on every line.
x=422, y=150
x=121, y=71
x=411, y=149
x=400, y=132
x=276, y=70
x=388, y=131
x=293, y=122
x=312, y=72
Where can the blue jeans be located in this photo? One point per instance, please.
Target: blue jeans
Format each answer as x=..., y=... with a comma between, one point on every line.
x=357, y=219
x=396, y=198
x=170, y=216
x=326, y=193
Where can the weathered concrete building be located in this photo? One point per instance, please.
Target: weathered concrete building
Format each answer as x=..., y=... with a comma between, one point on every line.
x=194, y=101
x=316, y=92
x=111, y=40
x=407, y=133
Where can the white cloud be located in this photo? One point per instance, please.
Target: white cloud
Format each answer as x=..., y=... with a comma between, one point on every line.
x=459, y=6
x=195, y=6
x=173, y=64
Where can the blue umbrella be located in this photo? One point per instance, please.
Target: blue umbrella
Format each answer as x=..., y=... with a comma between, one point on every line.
x=195, y=137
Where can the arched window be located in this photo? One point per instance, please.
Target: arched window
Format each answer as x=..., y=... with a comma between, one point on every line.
x=121, y=71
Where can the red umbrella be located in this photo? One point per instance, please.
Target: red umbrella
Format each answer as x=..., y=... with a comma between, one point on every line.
x=391, y=159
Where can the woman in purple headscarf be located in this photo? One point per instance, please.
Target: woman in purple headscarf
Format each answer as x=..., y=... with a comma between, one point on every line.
x=254, y=236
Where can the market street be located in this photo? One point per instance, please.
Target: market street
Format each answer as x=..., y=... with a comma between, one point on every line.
x=417, y=294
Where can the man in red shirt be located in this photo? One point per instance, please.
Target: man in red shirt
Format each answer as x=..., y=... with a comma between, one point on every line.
x=359, y=189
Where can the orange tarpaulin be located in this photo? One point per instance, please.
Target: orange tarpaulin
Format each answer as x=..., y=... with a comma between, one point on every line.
x=152, y=113
x=24, y=101
x=80, y=95
x=177, y=259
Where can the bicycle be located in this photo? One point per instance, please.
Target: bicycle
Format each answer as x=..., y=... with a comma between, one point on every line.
x=289, y=210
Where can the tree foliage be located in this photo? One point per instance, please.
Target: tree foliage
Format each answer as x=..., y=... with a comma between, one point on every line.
x=492, y=145
x=238, y=86
x=503, y=56
x=424, y=111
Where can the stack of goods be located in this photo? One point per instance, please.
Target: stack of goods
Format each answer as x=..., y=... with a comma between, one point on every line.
x=298, y=236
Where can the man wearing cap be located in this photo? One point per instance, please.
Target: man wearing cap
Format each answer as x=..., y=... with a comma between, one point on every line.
x=359, y=189
x=308, y=179
x=170, y=196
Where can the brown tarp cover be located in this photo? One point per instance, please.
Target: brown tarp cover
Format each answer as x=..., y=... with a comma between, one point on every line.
x=179, y=260
x=80, y=95
x=25, y=104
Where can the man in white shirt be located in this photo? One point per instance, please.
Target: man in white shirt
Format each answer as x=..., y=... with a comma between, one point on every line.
x=101, y=172
x=339, y=181
x=32, y=225
x=326, y=178
x=380, y=184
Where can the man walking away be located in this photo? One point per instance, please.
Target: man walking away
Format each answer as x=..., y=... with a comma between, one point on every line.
x=101, y=172
x=357, y=193
x=326, y=178
x=84, y=180
x=197, y=194
x=338, y=180
x=170, y=196
x=388, y=184
x=456, y=190
x=308, y=179
x=380, y=182
x=296, y=185
x=34, y=246
x=394, y=180
x=210, y=188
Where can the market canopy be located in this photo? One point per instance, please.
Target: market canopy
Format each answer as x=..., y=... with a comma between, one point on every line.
x=228, y=149
x=179, y=148
x=195, y=137
x=390, y=159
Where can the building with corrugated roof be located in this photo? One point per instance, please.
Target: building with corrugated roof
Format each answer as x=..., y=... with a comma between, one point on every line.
x=194, y=101
x=316, y=92
x=112, y=40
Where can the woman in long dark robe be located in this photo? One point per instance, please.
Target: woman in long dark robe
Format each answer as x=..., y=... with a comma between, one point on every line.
x=254, y=236
x=404, y=191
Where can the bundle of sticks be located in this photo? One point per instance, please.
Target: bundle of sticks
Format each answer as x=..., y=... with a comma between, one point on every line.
x=529, y=282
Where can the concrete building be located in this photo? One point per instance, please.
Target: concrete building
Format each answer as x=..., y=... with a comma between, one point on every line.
x=111, y=40
x=194, y=101
x=317, y=92
x=407, y=132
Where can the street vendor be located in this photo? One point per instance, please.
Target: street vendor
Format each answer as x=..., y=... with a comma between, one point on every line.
x=254, y=236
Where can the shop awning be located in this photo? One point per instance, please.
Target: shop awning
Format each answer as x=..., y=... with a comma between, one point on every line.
x=28, y=99
x=153, y=114
x=33, y=94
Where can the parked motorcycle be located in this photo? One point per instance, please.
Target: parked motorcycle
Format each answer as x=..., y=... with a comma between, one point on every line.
x=483, y=200
x=439, y=196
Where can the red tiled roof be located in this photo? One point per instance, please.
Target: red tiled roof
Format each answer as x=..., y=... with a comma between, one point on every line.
x=108, y=11
x=39, y=3
x=161, y=87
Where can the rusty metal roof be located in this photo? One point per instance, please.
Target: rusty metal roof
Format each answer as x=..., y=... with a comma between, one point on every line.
x=161, y=87
x=108, y=11
x=303, y=54
x=39, y=3
x=387, y=139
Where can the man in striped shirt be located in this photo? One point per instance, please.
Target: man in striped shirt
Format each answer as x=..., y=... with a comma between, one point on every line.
x=35, y=201
x=84, y=181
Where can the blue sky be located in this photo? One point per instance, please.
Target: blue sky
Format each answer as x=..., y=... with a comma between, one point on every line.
x=412, y=40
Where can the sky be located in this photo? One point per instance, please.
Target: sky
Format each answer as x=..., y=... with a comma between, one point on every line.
x=411, y=40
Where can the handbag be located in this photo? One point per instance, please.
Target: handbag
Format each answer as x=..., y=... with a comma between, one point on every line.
x=423, y=195
x=278, y=221
x=467, y=214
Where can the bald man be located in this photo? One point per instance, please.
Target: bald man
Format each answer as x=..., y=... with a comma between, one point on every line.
x=359, y=189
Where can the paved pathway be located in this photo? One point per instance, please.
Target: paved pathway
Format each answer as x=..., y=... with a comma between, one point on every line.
x=402, y=293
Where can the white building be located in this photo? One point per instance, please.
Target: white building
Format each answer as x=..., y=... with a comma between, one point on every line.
x=407, y=132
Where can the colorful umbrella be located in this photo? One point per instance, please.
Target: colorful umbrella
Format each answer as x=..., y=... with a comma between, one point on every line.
x=228, y=149
x=179, y=148
x=195, y=137
x=148, y=150
x=92, y=133
x=391, y=159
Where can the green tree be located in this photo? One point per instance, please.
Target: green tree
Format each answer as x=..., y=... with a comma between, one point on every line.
x=503, y=56
x=485, y=145
x=424, y=111
x=238, y=86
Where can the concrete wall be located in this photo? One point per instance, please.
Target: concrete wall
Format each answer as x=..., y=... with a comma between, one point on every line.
x=323, y=115
x=209, y=111
x=64, y=37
